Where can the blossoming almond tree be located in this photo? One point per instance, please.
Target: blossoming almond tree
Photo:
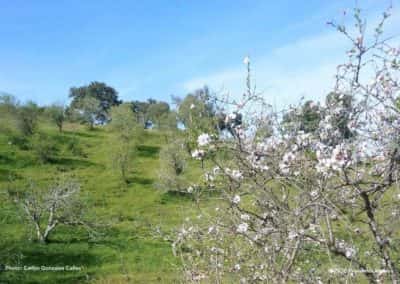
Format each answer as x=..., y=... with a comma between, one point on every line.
x=46, y=209
x=307, y=207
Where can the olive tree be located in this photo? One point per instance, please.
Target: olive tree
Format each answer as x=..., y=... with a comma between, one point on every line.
x=27, y=118
x=57, y=115
x=86, y=110
x=124, y=141
x=172, y=167
x=196, y=112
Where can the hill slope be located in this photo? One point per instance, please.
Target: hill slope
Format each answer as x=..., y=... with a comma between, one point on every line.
x=126, y=251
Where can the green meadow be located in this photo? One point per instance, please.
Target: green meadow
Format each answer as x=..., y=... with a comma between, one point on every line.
x=125, y=248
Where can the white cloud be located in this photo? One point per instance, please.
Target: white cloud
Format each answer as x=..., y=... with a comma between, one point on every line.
x=305, y=67
x=302, y=68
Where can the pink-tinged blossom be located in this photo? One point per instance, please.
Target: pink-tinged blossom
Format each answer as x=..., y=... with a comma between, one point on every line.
x=242, y=228
x=203, y=139
x=333, y=158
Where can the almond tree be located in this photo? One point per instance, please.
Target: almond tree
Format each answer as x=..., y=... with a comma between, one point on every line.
x=47, y=208
x=308, y=207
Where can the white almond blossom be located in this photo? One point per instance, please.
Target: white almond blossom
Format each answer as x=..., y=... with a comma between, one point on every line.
x=236, y=199
x=203, y=139
x=242, y=228
x=198, y=154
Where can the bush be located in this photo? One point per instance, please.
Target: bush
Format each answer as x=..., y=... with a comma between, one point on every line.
x=57, y=115
x=20, y=141
x=43, y=147
x=173, y=162
x=27, y=118
x=74, y=146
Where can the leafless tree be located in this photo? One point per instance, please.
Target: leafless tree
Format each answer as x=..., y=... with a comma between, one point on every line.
x=46, y=208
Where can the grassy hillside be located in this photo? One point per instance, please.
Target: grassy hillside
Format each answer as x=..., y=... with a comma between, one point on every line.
x=126, y=250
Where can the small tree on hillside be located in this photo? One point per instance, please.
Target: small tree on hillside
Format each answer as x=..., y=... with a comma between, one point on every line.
x=8, y=103
x=87, y=111
x=123, y=123
x=123, y=155
x=43, y=146
x=8, y=112
x=341, y=118
x=198, y=115
x=173, y=165
x=305, y=118
x=46, y=208
x=157, y=112
x=28, y=118
x=57, y=114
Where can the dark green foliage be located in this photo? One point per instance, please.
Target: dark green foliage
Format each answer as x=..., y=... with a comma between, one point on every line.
x=22, y=142
x=123, y=121
x=75, y=147
x=148, y=151
x=157, y=112
x=8, y=112
x=197, y=112
x=197, y=109
x=226, y=123
x=27, y=118
x=341, y=119
x=398, y=103
x=57, y=114
x=306, y=118
x=87, y=111
x=173, y=165
x=105, y=97
x=43, y=146
x=140, y=110
x=8, y=103
x=152, y=112
x=126, y=134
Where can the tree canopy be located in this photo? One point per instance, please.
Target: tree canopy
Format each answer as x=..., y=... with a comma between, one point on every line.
x=106, y=96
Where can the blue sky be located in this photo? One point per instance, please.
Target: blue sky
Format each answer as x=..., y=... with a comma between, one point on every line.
x=158, y=48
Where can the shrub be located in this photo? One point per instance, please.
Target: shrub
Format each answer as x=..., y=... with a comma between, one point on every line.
x=173, y=165
x=43, y=147
x=75, y=147
x=27, y=118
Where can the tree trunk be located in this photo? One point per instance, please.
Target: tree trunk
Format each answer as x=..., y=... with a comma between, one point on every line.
x=40, y=237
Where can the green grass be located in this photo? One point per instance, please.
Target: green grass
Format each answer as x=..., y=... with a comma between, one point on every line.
x=125, y=249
